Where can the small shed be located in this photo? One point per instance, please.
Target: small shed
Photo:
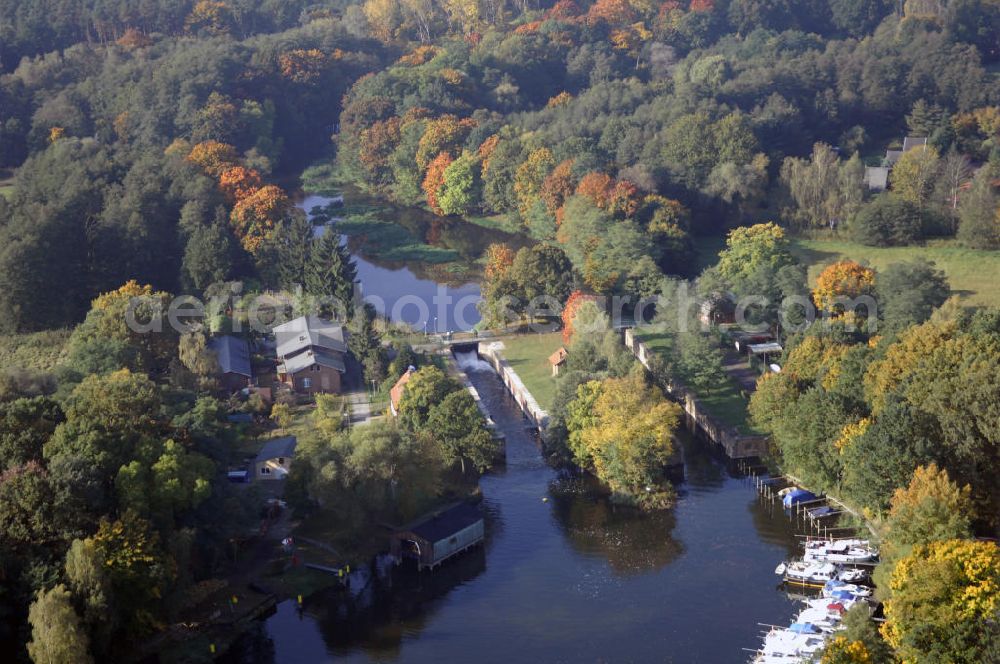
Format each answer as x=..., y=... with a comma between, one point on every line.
x=765, y=350
x=434, y=539
x=275, y=459
x=557, y=359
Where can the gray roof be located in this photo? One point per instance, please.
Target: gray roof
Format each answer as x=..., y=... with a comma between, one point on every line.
x=233, y=354
x=911, y=142
x=877, y=177
x=297, y=363
x=275, y=448
x=892, y=156
x=299, y=334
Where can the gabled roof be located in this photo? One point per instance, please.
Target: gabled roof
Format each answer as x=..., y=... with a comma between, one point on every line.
x=275, y=448
x=877, y=177
x=447, y=523
x=559, y=356
x=233, y=354
x=911, y=142
x=297, y=363
x=297, y=335
x=396, y=393
x=892, y=156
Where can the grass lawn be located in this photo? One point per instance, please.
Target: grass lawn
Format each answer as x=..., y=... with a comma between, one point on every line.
x=39, y=351
x=528, y=355
x=973, y=274
x=725, y=401
x=6, y=189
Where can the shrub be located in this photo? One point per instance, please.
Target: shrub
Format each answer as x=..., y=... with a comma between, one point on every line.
x=887, y=221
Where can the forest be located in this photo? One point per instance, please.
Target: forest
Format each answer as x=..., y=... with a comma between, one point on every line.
x=154, y=149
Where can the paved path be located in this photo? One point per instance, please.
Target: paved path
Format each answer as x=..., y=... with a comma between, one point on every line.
x=738, y=366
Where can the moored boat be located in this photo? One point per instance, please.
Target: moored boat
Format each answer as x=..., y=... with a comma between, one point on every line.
x=848, y=551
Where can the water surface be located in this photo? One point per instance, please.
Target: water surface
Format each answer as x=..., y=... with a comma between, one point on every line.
x=569, y=579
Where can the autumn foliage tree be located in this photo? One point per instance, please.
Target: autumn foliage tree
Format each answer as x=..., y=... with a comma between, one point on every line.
x=238, y=182
x=303, y=65
x=844, y=279
x=213, y=157
x=434, y=179
x=944, y=602
x=570, y=309
x=624, y=430
x=255, y=218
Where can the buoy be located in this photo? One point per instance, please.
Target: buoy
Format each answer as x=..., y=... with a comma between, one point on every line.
x=545, y=500
x=300, y=600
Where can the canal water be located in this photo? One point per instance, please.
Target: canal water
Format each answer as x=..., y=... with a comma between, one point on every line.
x=564, y=575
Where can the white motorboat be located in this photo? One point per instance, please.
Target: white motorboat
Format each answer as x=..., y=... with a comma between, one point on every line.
x=792, y=645
x=840, y=551
x=841, y=590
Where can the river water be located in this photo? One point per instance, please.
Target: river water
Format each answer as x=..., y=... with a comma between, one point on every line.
x=564, y=576
x=431, y=297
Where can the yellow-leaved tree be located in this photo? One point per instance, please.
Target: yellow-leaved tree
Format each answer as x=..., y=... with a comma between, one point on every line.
x=945, y=597
x=623, y=432
x=844, y=279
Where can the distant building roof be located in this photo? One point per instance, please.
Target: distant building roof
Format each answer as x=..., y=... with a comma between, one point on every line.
x=297, y=363
x=761, y=349
x=233, y=354
x=877, y=177
x=558, y=357
x=396, y=393
x=283, y=447
x=911, y=142
x=239, y=418
x=299, y=334
x=448, y=522
x=892, y=156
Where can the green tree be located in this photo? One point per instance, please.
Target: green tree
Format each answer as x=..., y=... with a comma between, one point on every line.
x=887, y=221
x=909, y=292
x=979, y=226
x=457, y=426
x=393, y=469
x=57, y=637
x=460, y=193
x=914, y=175
x=25, y=425
x=750, y=248
x=425, y=389
x=331, y=273
x=208, y=255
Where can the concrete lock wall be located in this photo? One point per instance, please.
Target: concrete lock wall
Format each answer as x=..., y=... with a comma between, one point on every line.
x=735, y=444
x=493, y=353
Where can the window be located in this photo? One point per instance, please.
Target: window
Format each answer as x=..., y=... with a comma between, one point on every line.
x=281, y=461
x=307, y=383
x=264, y=470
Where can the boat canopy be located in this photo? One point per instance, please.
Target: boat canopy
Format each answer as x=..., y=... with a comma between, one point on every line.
x=796, y=496
x=804, y=628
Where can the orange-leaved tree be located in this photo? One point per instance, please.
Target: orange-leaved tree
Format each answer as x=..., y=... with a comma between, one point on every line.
x=238, y=182
x=213, y=157
x=255, y=218
x=434, y=179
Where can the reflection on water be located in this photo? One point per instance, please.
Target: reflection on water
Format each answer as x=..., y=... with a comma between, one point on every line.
x=564, y=576
x=448, y=290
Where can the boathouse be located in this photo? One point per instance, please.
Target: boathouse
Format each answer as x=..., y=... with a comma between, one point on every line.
x=434, y=539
